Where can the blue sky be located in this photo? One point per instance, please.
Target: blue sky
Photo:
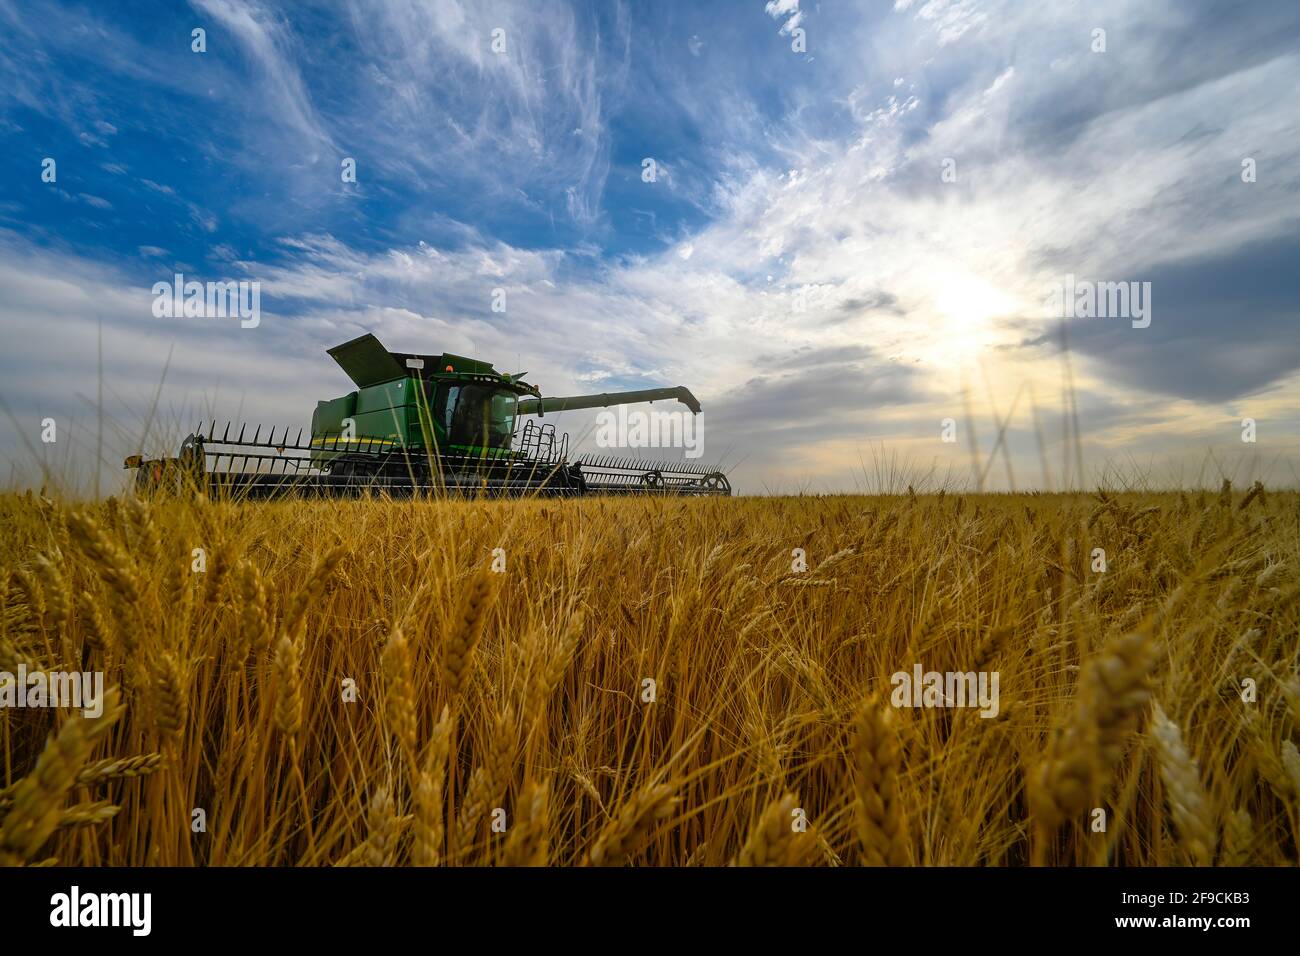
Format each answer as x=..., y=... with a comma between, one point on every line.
x=800, y=260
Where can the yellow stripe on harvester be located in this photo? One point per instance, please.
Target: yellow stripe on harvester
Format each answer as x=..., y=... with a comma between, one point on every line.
x=344, y=443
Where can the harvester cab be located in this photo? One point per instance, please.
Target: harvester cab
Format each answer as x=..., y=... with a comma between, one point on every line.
x=442, y=403
x=425, y=423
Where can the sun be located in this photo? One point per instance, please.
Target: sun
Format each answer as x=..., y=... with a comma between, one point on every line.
x=965, y=306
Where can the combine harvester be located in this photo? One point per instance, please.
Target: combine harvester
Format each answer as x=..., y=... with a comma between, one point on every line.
x=421, y=425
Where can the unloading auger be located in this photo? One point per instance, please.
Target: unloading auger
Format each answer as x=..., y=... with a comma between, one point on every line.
x=421, y=425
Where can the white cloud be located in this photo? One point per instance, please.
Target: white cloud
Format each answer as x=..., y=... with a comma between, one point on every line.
x=789, y=9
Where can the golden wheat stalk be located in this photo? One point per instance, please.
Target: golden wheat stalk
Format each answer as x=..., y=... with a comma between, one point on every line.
x=529, y=841
x=635, y=823
x=295, y=615
x=381, y=829
x=288, y=687
x=1113, y=691
x=57, y=593
x=87, y=814
x=399, y=698
x=467, y=628
x=1188, y=803
x=774, y=841
x=144, y=534
x=1238, y=837
x=254, y=621
x=991, y=647
x=1291, y=764
x=1268, y=764
x=488, y=783
x=111, y=562
x=430, y=812
x=877, y=807
x=550, y=661
x=119, y=768
x=837, y=558
x=11, y=656
x=169, y=693
x=1256, y=491
x=30, y=593
x=98, y=632
x=38, y=798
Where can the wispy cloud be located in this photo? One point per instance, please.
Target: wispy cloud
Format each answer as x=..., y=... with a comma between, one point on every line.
x=269, y=43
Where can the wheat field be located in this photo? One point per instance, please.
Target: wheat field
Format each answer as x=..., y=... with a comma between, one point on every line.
x=655, y=682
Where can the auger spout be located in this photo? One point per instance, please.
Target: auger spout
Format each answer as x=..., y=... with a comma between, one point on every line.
x=532, y=406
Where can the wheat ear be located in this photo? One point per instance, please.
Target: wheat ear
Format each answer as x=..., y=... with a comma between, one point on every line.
x=635, y=823
x=295, y=614
x=57, y=594
x=288, y=697
x=38, y=797
x=430, y=814
x=399, y=698
x=87, y=814
x=1188, y=804
x=101, y=771
x=1238, y=836
x=529, y=840
x=254, y=622
x=98, y=632
x=1291, y=764
x=550, y=662
x=169, y=693
x=488, y=783
x=773, y=841
x=381, y=829
x=467, y=628
x=117, y=571
x=1113, y=693
x=877, y=807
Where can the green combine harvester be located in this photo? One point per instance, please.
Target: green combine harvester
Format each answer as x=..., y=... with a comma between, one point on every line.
x=422, y=425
